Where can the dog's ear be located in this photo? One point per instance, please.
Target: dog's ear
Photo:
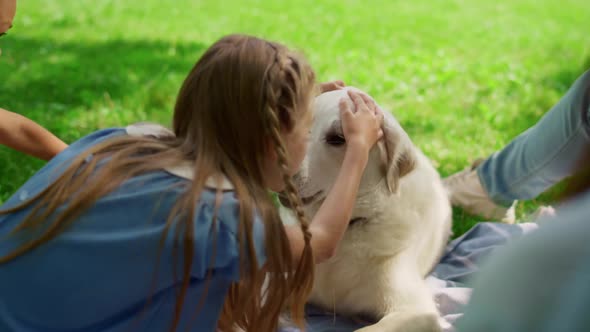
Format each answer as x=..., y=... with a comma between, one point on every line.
x=397, y=153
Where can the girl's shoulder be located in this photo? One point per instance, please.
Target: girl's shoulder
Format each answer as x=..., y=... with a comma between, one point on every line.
x=101, y=135
x=82, y=144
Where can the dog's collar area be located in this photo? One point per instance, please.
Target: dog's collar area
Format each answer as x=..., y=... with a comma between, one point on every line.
x=310, y=199
x=305, y=200
x=357, y=221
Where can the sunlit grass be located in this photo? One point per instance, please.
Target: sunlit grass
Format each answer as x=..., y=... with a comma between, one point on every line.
x=463, y=77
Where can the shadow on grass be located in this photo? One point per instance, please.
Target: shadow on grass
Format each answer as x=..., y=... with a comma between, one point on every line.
x=77, y=73
x=562, y=80
x=51, y=81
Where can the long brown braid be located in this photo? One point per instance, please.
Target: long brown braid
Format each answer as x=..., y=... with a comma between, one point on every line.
x=281, y=104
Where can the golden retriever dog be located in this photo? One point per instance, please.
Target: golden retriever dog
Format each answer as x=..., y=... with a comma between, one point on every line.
x=400, y=225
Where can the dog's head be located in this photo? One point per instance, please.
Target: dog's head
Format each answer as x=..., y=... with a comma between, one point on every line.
x=389, y=160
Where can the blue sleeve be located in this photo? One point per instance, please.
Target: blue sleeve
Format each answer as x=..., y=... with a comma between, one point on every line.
x=217, y=244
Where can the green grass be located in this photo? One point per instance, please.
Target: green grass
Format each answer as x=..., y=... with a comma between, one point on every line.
x=463, y=77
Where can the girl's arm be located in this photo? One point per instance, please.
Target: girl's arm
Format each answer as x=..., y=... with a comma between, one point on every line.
x=7, y=11
x=24, y=135
x=361, y=130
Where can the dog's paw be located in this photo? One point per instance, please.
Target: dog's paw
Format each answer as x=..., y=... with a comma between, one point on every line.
x=406, y=322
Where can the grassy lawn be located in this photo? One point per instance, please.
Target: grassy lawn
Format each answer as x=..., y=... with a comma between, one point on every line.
x=463, y=77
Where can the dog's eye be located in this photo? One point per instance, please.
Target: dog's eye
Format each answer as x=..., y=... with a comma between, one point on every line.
x=335, y=139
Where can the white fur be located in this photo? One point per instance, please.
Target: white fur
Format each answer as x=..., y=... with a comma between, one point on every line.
x=379, y=267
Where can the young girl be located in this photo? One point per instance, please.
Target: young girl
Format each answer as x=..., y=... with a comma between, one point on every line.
x=143, y=229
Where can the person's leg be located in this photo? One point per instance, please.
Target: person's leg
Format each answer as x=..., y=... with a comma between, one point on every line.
x=531, y=163
x=544, y=154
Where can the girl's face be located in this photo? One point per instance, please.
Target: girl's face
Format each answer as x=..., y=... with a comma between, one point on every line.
x=296, y=145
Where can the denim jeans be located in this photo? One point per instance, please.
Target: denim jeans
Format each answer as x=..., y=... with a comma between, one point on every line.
x=544, y=154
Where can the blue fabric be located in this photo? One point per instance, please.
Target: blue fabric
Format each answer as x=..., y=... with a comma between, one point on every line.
x=99, y=273
x=543, y=155
x=540, y=283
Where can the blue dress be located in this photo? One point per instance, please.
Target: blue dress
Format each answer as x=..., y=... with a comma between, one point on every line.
x=100, y=273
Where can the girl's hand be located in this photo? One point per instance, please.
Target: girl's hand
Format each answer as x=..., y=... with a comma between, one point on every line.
x=330, y=86
x=361, y=126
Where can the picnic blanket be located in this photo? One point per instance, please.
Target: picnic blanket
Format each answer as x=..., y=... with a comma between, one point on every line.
x=449, y=281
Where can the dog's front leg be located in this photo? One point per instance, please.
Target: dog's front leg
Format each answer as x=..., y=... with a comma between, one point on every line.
x=409, y=304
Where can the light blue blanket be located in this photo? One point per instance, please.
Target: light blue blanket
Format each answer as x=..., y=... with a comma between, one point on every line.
x=449, y=280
